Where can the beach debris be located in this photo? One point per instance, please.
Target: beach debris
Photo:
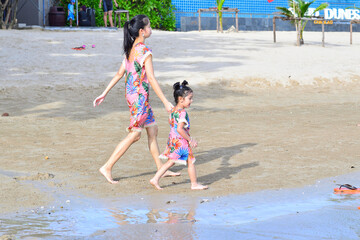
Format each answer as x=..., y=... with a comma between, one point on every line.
x=46, y=157
x=204, y=200
x=231, y=29
x=5, y=114
x=352, y=167
x=7, y=237
x=171, y=201
x=67, y=201
x=79, y=48
x=38, y=176
x=359, y=208
x=93, y=46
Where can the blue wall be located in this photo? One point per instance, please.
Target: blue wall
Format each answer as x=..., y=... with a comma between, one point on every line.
x=253, y=8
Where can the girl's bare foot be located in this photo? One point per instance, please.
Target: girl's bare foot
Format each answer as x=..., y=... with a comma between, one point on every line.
x=155, y=184
x=171, y=174
x=199, y=187
x=107, y=175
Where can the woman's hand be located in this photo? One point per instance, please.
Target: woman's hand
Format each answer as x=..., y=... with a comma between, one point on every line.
x=99, y=100
x=169, y=106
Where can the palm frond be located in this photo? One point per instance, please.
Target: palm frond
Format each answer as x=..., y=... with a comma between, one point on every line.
x=286, y=12
x=321, y=7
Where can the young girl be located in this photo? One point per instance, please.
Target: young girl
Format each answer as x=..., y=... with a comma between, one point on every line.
x=178, y=149
x=138, y=70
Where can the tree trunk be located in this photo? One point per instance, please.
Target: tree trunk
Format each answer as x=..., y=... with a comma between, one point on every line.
x=14, y=20
x=2, y=10
x=297, y=25
x=220, y=21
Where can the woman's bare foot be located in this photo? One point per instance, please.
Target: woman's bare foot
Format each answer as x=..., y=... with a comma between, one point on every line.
x=155, y=184
x=171, y=174
x=107, y=175
x=199, y=187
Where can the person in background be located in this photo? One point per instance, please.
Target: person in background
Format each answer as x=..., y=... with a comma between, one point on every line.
x=71, y=12
x=108, y=9
x=84, y=17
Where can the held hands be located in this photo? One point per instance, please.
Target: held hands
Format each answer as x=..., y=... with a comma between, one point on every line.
x=169, y=107
x=99, y=100
x=193, y=143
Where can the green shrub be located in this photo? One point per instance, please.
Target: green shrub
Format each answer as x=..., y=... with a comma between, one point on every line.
x=160, y=12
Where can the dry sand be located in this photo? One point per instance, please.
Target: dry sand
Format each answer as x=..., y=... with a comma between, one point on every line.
x=266, y=115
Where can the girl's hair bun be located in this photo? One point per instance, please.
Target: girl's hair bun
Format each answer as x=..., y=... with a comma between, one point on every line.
x=184, y=83
x=176, y=86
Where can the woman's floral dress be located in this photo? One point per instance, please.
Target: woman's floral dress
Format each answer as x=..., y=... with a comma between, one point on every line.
x=178, y=149
x=137, y=90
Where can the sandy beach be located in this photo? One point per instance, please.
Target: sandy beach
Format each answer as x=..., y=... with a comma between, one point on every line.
x=267, y=115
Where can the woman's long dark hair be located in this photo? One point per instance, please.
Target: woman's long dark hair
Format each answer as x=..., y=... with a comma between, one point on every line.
x=131, y=31
x=181, y=90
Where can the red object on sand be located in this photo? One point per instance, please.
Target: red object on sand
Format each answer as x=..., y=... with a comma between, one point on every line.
x=346, y=191
x=78, y=48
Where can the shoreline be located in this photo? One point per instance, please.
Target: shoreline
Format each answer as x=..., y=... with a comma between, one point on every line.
x=254, y=134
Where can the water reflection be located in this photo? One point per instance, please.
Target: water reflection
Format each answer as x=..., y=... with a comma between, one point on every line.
x=133, y=216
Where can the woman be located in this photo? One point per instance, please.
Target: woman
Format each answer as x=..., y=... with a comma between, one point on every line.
x=138, y=70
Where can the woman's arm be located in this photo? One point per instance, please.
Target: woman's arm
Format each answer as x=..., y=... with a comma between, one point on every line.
x=112, y=83
x=154, y=84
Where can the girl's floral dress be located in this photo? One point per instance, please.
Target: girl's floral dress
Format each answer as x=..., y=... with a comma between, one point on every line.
x=137, y=90
x=178, y=149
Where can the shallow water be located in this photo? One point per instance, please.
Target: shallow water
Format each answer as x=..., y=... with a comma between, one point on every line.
x=312, y=212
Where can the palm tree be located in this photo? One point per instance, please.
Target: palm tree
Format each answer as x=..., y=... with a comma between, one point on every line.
x=219, y=4
x=300, y=10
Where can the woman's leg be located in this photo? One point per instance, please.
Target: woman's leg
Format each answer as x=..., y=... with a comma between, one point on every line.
x=155, y=180
x=193, y=179
x=105, y=19
x=110, y=19
x=152, y=133
x=117, y=154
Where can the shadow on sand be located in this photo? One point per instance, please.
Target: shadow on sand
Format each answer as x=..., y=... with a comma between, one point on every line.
x=225, y=170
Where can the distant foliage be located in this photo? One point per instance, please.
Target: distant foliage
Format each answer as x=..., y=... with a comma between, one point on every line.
x=160, y=12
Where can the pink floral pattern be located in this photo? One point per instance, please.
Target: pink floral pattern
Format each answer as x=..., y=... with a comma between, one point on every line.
x=178, y=149
x=137, y=89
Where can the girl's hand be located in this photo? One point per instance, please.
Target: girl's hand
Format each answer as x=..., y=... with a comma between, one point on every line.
x=99, y=100
x=193, y=143
x=169, y=107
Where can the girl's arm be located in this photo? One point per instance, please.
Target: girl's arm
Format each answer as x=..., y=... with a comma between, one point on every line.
x=154, y=84
x=112, y=83
x=100, y=3
x=180, y=129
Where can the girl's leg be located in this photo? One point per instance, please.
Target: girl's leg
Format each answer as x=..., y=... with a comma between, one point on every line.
x=152, y=133
x=117, y=154
x=155, y=180
x=193, y=179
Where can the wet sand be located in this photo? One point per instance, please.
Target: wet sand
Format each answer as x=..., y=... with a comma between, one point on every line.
x=267, y=116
